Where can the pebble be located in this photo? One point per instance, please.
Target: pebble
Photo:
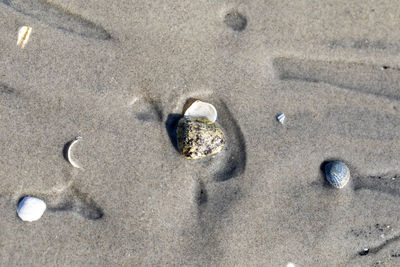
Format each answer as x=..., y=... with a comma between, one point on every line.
x=199, y=138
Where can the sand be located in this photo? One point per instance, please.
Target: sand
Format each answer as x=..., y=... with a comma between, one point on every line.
x=118, y=73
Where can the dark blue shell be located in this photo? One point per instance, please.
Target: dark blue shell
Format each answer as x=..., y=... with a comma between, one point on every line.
x=337, y=173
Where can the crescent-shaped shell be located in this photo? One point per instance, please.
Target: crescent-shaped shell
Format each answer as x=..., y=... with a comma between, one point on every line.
x=200, y=109
x=69, y=153
x=31, y=209
x=337, y=173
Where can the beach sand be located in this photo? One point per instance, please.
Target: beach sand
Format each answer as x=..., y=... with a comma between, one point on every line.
x=118, y=73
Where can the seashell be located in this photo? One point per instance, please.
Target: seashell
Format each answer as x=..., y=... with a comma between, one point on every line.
x=200, y=109
x=69, y=154
x=364, y=252
x=31, y=209
x=199, y=137
x=337, y=173
x=23, y=36
x=281, y=118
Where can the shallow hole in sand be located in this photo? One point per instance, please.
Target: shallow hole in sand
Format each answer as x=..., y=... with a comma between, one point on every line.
x=235, y=20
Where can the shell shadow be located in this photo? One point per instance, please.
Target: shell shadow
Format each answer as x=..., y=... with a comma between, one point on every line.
x=170, y=125
x=325, y=182
x=20, y=199
x=81, y=204
x=388, y=183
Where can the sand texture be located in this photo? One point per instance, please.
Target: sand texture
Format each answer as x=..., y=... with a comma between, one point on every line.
x=118, y=73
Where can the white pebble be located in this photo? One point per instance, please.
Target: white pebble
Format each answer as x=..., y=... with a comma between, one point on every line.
x=31, y=209
x=290, y=264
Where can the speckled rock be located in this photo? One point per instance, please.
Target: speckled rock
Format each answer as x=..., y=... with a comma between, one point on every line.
x=199, y=138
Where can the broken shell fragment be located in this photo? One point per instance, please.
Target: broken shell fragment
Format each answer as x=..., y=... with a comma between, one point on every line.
x=337, y=173
x=199, y=138
x=281, y=118
x=31, y=209
x=23, y=36
x=69, y=152
x=200, y=109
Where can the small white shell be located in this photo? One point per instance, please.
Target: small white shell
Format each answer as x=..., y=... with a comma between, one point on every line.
x=69, y=154
x=200, y=109
x=337, y=173
x=31, y=209
x=281, y=117
x=23, y=36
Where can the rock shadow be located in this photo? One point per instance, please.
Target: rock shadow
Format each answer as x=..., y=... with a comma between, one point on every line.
x=171, y=125
x=234, y=161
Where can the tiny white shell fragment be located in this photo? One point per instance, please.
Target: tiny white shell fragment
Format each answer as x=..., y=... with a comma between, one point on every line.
x=69, y=153
x=290, y=264
x=23, y=36
x=200, y=109
x=133, y=101
x=31, y=209
x=281, y=117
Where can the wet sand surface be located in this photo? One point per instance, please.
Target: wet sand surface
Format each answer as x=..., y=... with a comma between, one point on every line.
x=118, y=73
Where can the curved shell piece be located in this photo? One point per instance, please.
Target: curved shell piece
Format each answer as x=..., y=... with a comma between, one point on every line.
x=337, y=173
x=69, y=153
x=31, y=209
x=199, y=138
x=200, y=109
